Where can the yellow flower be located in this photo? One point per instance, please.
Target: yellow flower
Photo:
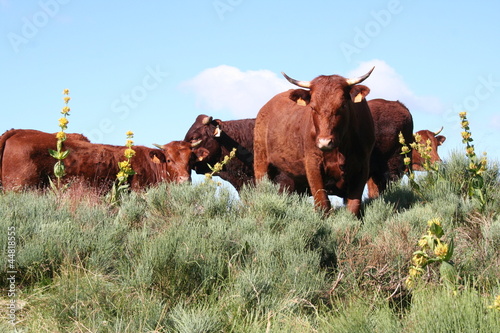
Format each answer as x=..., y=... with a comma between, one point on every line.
x=129, y=134
x=419, y=260
x=66, y=99
x=462, y=114
x=436, y=221
x=65, y=110
x=63, y=122
x=441, y=250
x=405, y=149
x=407, y=160
x=417, y=137
x=129, y=143
x=466, y=135
x=465, y=124
x=66, y=91
x=401, y=138
x=423, y=243
x=124, y=165
x=129, y=153
x=61, y=136
x=121, y=175
x=496, y=304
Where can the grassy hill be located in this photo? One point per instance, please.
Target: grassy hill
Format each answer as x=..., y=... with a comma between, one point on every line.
x=183, y=258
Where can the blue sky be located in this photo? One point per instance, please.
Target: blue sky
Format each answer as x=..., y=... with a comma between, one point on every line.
x=153, y=66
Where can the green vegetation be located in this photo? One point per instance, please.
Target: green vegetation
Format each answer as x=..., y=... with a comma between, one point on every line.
x=192, y=258
x=183, y=258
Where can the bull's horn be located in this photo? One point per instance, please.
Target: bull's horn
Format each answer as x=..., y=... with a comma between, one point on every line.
x=436, y=133
x=158, y=146
x=303, y=84
x=359, y=79
x=196, y=143
x=207, y=120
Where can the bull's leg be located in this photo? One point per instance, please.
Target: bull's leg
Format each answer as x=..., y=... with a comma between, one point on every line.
x=260, y=162
x=315, y=180
x=354, y=198
x=373, y=191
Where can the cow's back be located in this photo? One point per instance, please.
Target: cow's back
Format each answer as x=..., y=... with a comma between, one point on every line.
x=280, y=127
x=26, y=161
x=390, y=119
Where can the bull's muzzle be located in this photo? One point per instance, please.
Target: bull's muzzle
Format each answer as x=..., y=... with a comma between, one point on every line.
x=325, y=144
x=183, y=179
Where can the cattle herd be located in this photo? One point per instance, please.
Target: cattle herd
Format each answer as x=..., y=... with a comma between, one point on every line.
x=324, y=139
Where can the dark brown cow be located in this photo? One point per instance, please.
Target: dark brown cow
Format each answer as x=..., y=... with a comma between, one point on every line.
x=386, y=164
x=214, y=139
x=436, y=140
x=25, y=161
x=325, y=145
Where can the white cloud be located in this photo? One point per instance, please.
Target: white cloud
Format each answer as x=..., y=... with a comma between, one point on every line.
x=228, y=88
x=386, y=83
x=243, y=93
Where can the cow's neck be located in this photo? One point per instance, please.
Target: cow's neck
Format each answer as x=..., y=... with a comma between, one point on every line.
x=229, y=144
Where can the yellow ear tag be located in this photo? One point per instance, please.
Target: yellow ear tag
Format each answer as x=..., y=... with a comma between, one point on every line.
x=358, y=98
x=301, y=102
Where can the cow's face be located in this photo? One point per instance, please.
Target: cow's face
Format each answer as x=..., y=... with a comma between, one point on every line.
x=435, y=141
x=201, y=136
x=331, y=100
x=178, y=160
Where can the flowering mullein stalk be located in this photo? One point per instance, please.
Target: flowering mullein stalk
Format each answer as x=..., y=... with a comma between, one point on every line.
x=59, y=154
x=424, y=150
x=476, y=166
x=405, y=150
x=220, y=165
x=125, y=170
x=432, y=249
x=125, y=166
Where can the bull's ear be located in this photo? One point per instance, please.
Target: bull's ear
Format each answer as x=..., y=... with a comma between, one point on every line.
x=201, y=153
x=440, y=139
x=157, y=157
x=358, y=92
x=300, y=96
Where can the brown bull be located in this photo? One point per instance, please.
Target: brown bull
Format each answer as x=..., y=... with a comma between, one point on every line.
x=25, y=161
x=325, y=145
x=436, y=140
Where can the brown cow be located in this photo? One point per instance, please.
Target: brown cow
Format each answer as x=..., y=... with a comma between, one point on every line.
x=325, y=144
x=212, y=139
x=25, y=161
x=386, y=164
x=436, y=140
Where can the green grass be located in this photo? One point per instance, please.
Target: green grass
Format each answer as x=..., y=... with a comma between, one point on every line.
x=182, y=258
